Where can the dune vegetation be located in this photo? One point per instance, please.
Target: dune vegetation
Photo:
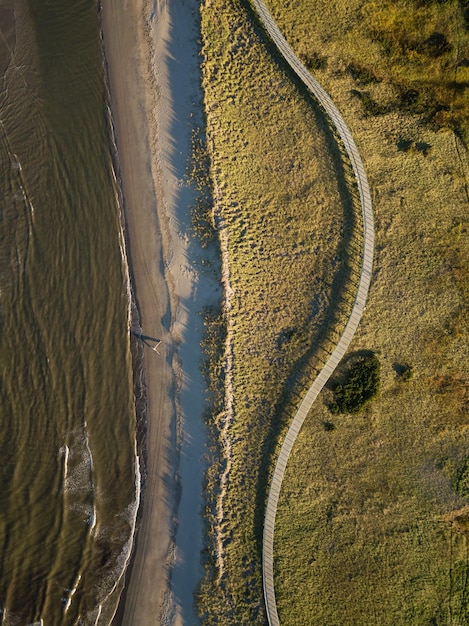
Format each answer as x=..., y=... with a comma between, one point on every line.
x=372, y=525
x=289, y=227
x=373, y=519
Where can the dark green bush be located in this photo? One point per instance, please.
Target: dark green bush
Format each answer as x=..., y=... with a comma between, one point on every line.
x=370, y=106
x=407, y=373
x=362, y=74
x=360, y=386
x=436, y=45
x=314, y=61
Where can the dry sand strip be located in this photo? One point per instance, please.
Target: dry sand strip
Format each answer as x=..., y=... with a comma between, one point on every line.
x=151, y=53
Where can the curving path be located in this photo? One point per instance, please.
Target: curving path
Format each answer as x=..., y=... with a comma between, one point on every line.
x=355, y=316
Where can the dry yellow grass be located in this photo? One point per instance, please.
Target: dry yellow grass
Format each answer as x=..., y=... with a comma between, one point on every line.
x=291, y=237
x=371, y=525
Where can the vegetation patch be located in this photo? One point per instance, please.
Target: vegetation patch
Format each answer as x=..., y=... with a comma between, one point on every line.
x=314, y=61
x=406, y=145
x=370, y=525
x=413, y=55
x=371, y=522
x=203, y=226
x=362, y=74
x=460, y=520
x=404, y=371
x=370, y=106
x=289, y=222
x=360, y=386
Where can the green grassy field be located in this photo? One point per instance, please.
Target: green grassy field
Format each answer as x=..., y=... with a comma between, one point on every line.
x=371, y=527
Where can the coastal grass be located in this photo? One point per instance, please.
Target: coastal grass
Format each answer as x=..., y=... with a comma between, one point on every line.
x=288, y=215
x=372, y=525
x=409, y=56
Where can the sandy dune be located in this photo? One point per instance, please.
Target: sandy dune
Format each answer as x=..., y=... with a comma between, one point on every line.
x=152, y=59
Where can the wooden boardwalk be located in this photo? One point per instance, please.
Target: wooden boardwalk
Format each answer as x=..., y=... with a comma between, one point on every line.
x=367, y=263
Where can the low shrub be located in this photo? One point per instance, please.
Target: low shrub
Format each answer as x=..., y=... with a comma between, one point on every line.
x=407, y=373
x=362, y=74
x=370, y=106
x=314, y=61
x=361, y=386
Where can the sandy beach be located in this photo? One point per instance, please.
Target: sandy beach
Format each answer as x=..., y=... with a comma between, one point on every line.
x=153, y=67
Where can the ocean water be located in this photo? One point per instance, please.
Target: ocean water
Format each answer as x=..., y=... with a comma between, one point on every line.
x=68, y=465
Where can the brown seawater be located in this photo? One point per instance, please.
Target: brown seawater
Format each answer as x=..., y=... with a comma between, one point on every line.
x=69, y=476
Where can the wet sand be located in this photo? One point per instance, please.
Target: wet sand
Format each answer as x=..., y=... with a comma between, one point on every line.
x=151, y=53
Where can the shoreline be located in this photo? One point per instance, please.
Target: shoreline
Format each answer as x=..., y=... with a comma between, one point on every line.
x=152, y=61
x=136, y=350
